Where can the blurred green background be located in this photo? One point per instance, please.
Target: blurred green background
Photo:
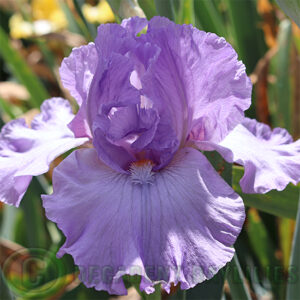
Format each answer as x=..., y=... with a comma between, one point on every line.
x=36, y=35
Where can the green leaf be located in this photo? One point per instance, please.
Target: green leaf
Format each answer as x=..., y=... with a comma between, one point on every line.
x=47, y=54
x=221, y=166
x=236, y=281
x=73, y=25
x=89, y=27
x=285, y=230
x=126, y=8
x=209, y=17
x=115, y=6
x=264, y=249
x=248, y=39
x=21, y=71
x=33, y=213
x=186, y=12
x=165, y=8
x=135, y=282
x=8, y=226
x=6, y=108
x=5, y=293
x=291, y=8
x=148, y=7
x=1, y=119
x=209, y=289
x=293, y=286
x=281, y=100
x=282, y=204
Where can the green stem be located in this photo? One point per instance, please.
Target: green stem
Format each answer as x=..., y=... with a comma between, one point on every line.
x=293, y=287
x=32, y=207
x=236, y=281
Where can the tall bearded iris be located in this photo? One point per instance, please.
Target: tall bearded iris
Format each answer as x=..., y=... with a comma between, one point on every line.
x=141, y=198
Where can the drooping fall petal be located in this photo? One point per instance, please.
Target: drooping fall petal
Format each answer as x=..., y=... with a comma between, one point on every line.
x=176, y=225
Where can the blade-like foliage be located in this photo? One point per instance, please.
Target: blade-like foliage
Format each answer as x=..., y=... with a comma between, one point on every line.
x=291, y=8
x=22, y=71
x=293, y=287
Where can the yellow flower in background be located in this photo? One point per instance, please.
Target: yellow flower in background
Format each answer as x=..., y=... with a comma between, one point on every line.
x=100, y=13
x=47, y=17
x=49, y=10
x=20, y=29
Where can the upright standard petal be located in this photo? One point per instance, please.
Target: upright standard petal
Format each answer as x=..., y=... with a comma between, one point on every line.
x=113, y=95
x=27, y=152
x=117, y=110
x=176, y=225
x=77, y=72
x=184, y=75
x=270, y=157
x=135, y=24
x=198, y=79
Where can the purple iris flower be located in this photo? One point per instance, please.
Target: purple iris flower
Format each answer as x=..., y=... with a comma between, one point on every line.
x=139, y=197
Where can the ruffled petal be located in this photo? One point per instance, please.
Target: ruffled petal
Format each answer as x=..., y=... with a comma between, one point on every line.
x=191, y=80
x=176, y=225
x=107, y=98
x=135, y=24
x=198, y=79
x=270, y=157
x=27, y=152
x=77, y=72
